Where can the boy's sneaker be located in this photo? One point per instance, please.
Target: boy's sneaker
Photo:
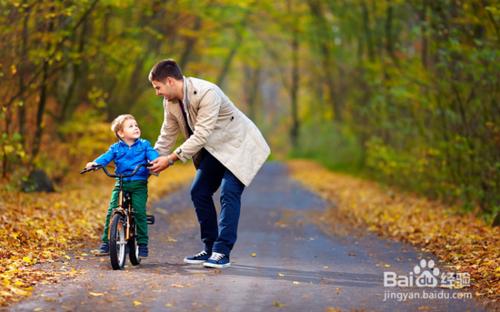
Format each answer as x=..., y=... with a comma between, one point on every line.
x=103, y=249
x=200, y=257
x=218, y=261
x=143, y=250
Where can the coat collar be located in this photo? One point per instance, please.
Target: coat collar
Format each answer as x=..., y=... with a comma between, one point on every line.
x=185, y=99
x=122, y=143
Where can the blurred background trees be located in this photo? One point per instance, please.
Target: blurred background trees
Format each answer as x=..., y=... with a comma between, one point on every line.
x=405, y=92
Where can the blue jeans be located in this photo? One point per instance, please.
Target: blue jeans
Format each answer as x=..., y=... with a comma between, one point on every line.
x=209, y=176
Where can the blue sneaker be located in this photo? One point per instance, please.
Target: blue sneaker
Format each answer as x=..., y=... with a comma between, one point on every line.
x=200, y=257
x=143, y=250
x=218, y=261
x=103, y=249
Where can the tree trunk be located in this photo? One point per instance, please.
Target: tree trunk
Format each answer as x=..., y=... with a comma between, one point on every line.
x=251, y=89
x=43, y=98
x=423, y=30
x=326, y=57
x=389, y=38
x=189, y=45
x=367, y=30
x=294, y=88
x=67, y=104
x=234, y=48
x=22, y=71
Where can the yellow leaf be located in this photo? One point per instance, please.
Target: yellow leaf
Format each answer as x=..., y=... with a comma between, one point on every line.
x=27, y=260
x=19, y=291
x=96, y=294
x=253, y=254
x=137, y=303
x=4, y=293
x=41, y=233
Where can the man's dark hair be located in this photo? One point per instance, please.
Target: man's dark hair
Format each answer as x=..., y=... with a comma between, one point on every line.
x=164, y=69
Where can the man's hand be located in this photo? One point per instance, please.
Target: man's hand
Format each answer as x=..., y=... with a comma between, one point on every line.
x=159, y=164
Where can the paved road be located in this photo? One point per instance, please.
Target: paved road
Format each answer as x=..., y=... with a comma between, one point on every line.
x=281, y=261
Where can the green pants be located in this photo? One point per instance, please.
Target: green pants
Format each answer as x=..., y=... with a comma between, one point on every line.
x=139, y=191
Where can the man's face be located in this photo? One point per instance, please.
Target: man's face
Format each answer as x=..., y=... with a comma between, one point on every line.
x=165, y=88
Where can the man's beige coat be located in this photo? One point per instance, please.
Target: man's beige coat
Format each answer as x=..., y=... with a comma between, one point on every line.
x=217, y=125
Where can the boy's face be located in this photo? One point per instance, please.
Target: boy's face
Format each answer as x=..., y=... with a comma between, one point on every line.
x=130, y=130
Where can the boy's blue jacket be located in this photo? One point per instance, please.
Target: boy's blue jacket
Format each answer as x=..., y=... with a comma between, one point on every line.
x=127, y=157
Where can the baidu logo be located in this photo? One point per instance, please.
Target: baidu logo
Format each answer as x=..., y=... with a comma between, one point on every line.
x=426, y=274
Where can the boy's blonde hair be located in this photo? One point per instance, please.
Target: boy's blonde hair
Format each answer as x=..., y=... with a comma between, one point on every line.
x=117, y=124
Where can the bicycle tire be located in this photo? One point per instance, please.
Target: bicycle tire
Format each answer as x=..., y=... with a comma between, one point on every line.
x=117, y=242
x=133, y=251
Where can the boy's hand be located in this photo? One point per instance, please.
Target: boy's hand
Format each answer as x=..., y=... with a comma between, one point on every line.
x=90, y=164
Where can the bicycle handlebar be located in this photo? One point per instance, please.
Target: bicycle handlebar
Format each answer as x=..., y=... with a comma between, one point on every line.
x=94, y=168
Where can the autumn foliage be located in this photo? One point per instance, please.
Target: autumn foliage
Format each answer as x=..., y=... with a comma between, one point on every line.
x=463, y=241
x=40, y=227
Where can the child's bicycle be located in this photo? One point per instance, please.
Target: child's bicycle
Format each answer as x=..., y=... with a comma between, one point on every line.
x=122, y=229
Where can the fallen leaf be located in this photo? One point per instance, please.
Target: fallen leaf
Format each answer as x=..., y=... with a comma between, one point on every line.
x=278, y=304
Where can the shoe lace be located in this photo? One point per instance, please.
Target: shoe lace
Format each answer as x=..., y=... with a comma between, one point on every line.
x=201, y=253
x=216, y=256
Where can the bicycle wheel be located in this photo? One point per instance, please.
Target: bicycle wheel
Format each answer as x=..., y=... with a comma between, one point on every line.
x=117, y=242
x=133, y=251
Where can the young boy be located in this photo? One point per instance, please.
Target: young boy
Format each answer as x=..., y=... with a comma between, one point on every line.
x=127, y=153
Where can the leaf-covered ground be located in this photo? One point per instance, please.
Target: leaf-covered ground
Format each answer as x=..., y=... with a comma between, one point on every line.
x=47, y=227
x=463, y=241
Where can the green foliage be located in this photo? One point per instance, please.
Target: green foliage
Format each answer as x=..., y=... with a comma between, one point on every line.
x=12, y=147
x=83, y=138
x=406, y=91
x=335, y=147
x=427, y=120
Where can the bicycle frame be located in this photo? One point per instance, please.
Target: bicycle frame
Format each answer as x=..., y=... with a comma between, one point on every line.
x=122, y=228
x=125, y=207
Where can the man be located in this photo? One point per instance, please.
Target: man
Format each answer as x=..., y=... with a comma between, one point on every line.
x=226, y=147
